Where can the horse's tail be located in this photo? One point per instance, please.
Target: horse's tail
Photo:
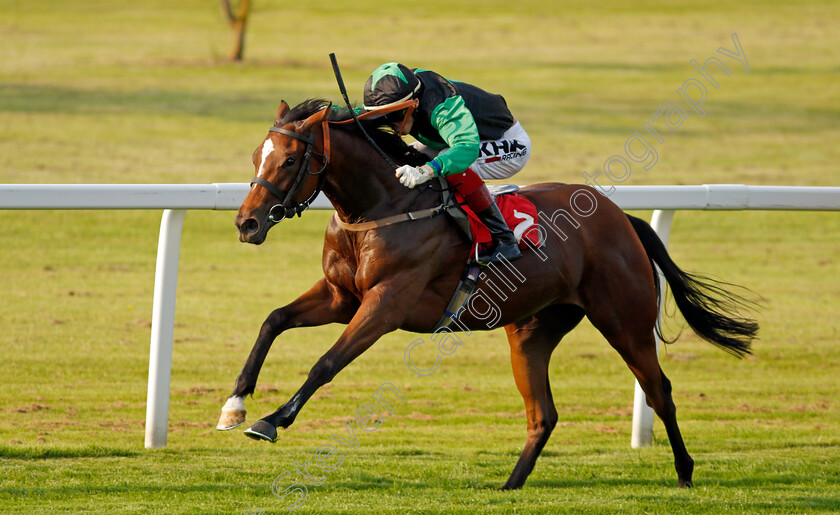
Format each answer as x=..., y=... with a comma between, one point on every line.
x=710, y=310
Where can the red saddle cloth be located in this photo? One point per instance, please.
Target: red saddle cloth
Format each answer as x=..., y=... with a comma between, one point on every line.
x=519, y=213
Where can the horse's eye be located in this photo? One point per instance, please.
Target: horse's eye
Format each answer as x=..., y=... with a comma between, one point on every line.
x=289, y=161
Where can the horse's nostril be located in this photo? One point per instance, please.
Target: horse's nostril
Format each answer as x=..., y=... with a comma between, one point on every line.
x=249, y=226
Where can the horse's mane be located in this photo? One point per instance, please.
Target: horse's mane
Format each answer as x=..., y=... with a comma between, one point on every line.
x=378, y=129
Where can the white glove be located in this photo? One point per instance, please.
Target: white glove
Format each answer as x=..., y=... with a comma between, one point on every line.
x=411, y=176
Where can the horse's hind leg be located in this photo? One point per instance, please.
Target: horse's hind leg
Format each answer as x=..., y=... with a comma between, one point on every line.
x=638, y=348
x=531, y=344
x=318, y=306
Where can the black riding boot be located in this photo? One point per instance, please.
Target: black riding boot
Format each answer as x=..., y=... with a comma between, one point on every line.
x=504, y=242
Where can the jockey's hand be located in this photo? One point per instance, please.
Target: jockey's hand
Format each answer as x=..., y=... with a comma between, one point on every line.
x=411, y=176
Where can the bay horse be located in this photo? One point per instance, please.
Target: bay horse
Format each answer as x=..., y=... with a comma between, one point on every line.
x=599, y=264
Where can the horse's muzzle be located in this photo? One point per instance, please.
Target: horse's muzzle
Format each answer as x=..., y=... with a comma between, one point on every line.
x=251, y=230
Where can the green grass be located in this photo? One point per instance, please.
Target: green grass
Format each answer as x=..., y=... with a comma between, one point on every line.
x=115, y=91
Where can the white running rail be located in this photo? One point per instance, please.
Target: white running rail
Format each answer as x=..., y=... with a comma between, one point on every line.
x=176, y=199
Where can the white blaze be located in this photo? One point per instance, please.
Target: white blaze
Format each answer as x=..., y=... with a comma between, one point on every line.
x=268, y=148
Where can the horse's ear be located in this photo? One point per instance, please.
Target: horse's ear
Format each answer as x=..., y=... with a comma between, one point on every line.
x=282, y=111
x=315, y=119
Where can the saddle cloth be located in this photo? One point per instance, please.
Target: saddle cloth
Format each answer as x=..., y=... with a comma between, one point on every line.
x=519, y=213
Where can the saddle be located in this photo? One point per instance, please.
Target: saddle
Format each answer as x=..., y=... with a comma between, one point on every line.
x=520, y=215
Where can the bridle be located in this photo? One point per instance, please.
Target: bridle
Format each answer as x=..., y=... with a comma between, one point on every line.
x=288, y=207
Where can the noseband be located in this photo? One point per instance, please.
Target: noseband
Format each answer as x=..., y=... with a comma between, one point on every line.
x=288, y=207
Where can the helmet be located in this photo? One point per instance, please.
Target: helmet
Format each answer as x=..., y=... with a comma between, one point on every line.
x=390, y=84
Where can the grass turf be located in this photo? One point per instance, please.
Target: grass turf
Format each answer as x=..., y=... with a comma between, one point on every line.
x=127, y=92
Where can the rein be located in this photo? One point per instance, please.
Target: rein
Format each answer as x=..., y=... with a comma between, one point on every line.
x=288, y=207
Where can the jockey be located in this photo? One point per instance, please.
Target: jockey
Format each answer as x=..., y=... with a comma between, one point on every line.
x=467, y=133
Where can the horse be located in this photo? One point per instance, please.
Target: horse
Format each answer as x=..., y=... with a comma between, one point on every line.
x=594, y=261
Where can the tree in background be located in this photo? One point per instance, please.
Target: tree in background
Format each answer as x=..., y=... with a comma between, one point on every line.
x=237, y=18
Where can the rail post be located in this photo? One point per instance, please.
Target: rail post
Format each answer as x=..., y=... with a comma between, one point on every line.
x=163, y=327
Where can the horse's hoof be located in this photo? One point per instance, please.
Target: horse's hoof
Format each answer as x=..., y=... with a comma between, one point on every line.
x=262, y=430
x=510, y=486
x=687, y=484
x=230, y=419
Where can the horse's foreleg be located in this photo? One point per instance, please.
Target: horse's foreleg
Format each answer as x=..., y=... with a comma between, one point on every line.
x=377, y=315
x=320, y=305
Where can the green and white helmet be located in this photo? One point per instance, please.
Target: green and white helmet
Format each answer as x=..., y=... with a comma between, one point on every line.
x=390, y=84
